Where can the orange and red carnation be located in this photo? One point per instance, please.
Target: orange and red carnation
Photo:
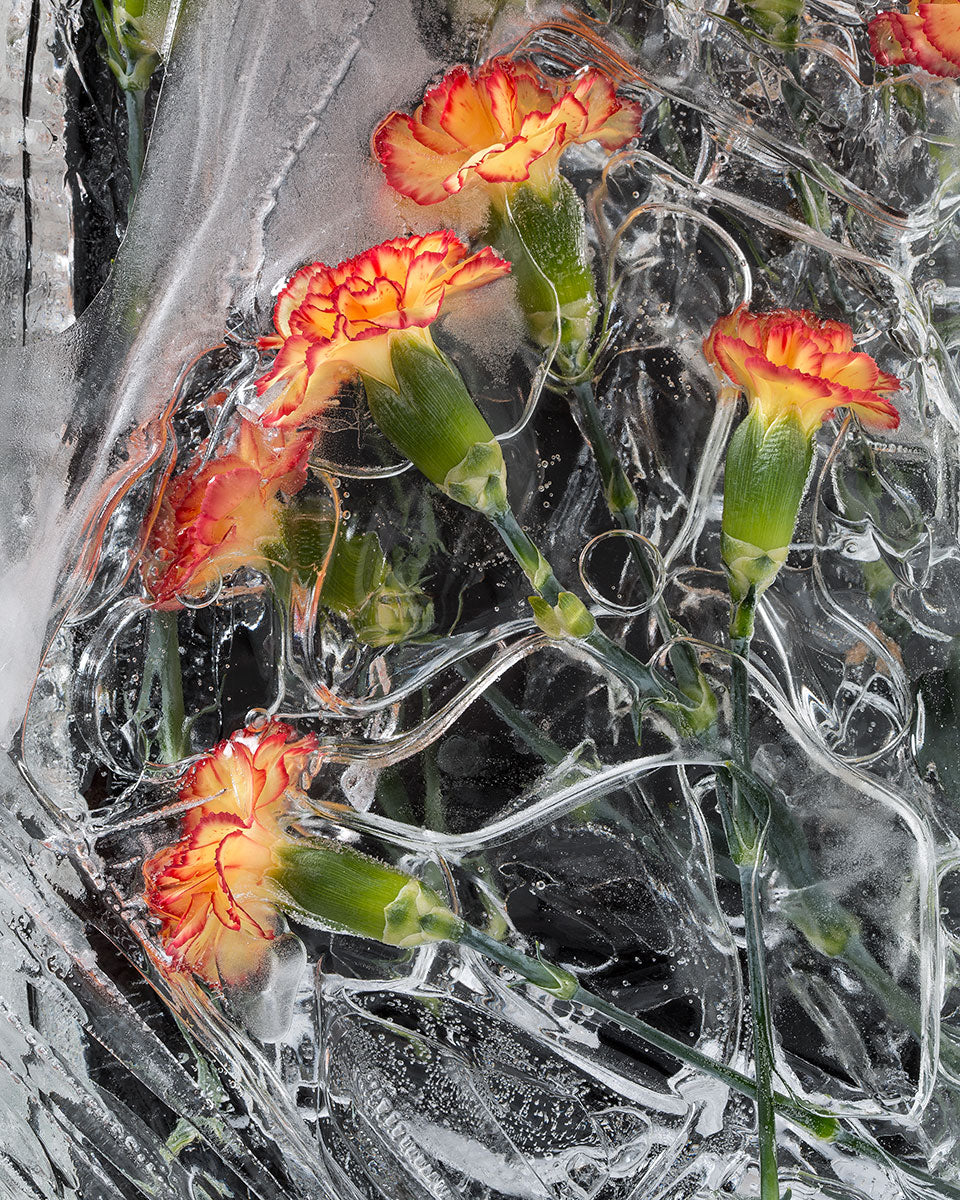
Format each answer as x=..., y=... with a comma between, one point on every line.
x=926, y=36
x=221, y=512
x=792, y=361
x=336, y=322
x=505, y=125
x=211, y=889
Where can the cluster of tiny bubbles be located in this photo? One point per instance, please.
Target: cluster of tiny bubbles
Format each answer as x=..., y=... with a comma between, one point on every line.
x=637, y=544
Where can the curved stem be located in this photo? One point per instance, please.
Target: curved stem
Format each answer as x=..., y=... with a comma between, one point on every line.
x=622, y=504
x=645, y=682
x=434, y=809
x=618, y=490
x=750, y=879
x=528, y=556
x=741, y=634
x=522, y=726
x=557, y=981
x=826, y=924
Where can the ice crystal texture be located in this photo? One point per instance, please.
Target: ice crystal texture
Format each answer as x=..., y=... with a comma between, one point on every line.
x=490, y=760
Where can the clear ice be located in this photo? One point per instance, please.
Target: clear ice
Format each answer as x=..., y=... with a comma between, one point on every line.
x=432, y=1076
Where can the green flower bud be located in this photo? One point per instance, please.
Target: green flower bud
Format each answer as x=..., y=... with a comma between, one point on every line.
x=432, y=419
x=133, y=31
x=394, y=613
x=348, y=892
x=778, y=19
x=568, y=618
x=544, y=237
x=356, y=571
x=764, y=481
x=358, y=582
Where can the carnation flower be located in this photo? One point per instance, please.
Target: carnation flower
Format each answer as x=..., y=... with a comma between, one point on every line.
x=218, y=891
x=221, y=512
x=927, y=36
x=503, y=131
x=507, y=124
x=793, y=362
x=795, y=370
x=211, y=889
x=334, y=323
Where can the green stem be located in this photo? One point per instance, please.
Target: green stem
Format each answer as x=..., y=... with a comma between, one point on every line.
x=745, y=839
x=617, y=488
x=647, y=685
x=750, y=879
x=523, y=727
x=622, y=504
x=434, y=815
x=897, y=1002
x=528, y=557
x=162, y=661
x=826, y=924
x=174, y=739
x=741, y=633
x=557, y=981
x=136, y=103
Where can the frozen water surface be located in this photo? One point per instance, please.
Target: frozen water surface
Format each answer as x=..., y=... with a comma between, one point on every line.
x=490, y=760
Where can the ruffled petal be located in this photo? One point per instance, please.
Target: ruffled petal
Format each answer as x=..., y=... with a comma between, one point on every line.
x=780, y=389
x=236, y=958
x=853, y=370
x=732, y=355
x=289, y=299
x=411, y=168
x=793, y=361
x=941, y=27
x=466, y=116
x=926, y=37
x=874, y=411
x=543, y=137
x=609, y=121
x=500, y=87
x=483, y=267
x=496, y=127
x=788, y=343
x=217, y=512
x=889, y=43
x=210, y=890
x=399, y=285
x=533, y=96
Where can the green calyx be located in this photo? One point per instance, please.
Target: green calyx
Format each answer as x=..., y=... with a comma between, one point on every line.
x=697, y=716
x=568, y=619
x=778, y=19
x=133, y=33
x=823, y=922
x=479, y=480
x=358, y=582
x=349, y=892
x=764, y=481
x=750, y=567
x=432, y=420
x=543, y=234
